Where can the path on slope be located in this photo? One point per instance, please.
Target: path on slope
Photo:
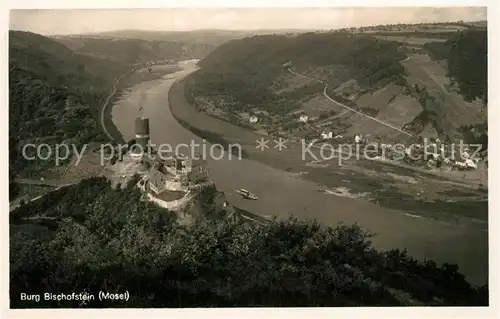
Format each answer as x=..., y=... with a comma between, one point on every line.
x=14, y=207
x=103, y=109
x=45, y=182
x=347, y=107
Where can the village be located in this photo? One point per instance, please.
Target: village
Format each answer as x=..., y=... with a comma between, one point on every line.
x=426, y=152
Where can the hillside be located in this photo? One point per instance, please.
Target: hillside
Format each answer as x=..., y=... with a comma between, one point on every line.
x=451, y=82
x=252, y=76
x=386, y=75
x=255, y=63
x=132, y=50
x=54, y=96
x=466, y=55
x=249, y=71
x=110, y=240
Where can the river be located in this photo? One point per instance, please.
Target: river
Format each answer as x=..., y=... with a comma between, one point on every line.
x=283, y=194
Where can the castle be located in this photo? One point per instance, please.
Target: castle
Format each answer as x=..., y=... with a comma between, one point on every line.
x=176, y=174
x=170, y=182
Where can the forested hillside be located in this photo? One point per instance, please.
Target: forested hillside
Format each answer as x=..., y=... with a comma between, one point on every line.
x=131, y=51
x=467, y=57
x=58, y=86
x=91, y=237
x=54, y=96
x=246, y=70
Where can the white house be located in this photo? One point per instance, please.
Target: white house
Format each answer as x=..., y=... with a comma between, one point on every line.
x=326, y=136
x=254, y=119
x=470, y=163
x=467, y=164
x=303, y=118
x=358, y=138
x=460, y=165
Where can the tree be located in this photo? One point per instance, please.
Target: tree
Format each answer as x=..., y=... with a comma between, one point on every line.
x=107, y=239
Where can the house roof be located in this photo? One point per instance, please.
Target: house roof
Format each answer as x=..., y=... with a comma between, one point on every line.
x=158, y=171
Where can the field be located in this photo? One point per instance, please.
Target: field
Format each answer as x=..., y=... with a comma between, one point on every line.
x=387, y=103
x=392, y=107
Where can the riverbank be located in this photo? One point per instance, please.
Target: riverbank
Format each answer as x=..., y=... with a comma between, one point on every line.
x=108, y=121
x=129, y=80
x=416, y=192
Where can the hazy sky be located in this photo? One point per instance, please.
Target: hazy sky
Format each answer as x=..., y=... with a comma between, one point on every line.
x=180, y=19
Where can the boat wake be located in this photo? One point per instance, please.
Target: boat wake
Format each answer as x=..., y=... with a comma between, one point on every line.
x=411, y=215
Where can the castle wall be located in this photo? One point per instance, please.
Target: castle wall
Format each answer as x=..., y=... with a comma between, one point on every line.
x=172, y=205
x=175, y=186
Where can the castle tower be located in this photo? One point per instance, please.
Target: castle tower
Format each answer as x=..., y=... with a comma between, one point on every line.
x=141, y=137
x=139, y=151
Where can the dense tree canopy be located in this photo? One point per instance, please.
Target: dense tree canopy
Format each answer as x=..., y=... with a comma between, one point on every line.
x=54, y=95
x=467, y=56
x=91, y=237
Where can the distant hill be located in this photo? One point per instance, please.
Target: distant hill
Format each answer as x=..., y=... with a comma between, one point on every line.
x=135, y=46
x=54, y=96
x=436, y=27
x=212, y=37
x=204, y=36
x=138, y=46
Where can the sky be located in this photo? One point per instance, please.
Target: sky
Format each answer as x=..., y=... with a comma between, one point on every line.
x=76, y=21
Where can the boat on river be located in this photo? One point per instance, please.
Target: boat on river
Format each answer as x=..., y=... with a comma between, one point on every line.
x=246, y=194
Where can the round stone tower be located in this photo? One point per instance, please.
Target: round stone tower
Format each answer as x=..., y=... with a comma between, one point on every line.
x=141, y=137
